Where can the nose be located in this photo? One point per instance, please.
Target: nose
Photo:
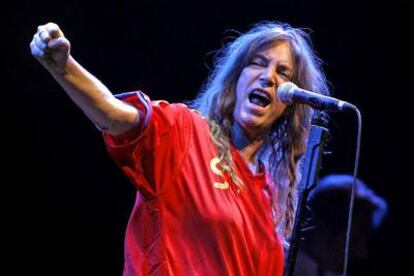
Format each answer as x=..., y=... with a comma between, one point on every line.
x=267, y=77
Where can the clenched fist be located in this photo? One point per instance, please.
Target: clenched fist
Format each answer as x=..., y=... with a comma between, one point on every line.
x=51, y=48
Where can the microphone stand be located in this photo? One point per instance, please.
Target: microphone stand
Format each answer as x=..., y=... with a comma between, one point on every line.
x=311, y=166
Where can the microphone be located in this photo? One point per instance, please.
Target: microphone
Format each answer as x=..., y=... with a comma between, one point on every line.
x=289, y=92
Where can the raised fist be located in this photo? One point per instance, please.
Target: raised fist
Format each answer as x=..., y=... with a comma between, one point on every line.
x=50, y=47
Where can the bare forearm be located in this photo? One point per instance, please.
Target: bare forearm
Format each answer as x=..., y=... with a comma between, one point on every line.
x=51, y=48
x=94, y=98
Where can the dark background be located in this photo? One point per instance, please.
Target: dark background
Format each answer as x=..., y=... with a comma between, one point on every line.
x=65, y=204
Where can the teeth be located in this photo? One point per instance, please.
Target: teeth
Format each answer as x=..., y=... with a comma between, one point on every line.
x=264, y=95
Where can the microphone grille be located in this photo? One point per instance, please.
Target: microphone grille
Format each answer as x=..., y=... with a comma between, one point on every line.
x=285, y=92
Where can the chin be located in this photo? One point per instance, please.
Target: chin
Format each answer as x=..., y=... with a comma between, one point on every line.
x=252, y=126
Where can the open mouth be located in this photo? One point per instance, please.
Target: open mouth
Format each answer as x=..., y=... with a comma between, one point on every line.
x=260, y=98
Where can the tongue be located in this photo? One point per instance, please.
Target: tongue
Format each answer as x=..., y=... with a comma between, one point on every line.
x=258, y=102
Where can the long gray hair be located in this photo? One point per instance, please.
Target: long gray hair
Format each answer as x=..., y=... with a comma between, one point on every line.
x=285, y=143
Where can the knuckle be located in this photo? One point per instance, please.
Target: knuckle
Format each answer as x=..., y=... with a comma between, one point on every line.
x=52, y=26
x=34, y=52
x=41, y=46
x=44, y=36
x=37, y=40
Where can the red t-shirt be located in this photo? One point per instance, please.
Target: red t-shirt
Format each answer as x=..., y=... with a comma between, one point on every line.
x=188, y=219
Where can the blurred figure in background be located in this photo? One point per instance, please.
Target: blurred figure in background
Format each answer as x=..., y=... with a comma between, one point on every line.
x=322, y=250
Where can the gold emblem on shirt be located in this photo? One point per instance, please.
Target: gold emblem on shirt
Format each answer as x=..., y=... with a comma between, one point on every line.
x=213, y=165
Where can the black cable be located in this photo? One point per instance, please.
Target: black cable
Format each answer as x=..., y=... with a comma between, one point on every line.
x=353, y=191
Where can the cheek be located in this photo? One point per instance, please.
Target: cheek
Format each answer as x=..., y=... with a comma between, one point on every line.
x=280, y=107
x=239, y=87
x=246, y=78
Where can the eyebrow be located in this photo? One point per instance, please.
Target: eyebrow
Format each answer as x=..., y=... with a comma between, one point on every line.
x=282, y=64
x=260, y=56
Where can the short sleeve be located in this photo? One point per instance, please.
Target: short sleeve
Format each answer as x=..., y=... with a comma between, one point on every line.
x=151, y=153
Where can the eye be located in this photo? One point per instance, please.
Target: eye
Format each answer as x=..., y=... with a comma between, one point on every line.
x=259, y=62
x=284, y=72
x=256, y=63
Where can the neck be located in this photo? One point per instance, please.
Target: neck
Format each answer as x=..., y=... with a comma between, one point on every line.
x=244, y=144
